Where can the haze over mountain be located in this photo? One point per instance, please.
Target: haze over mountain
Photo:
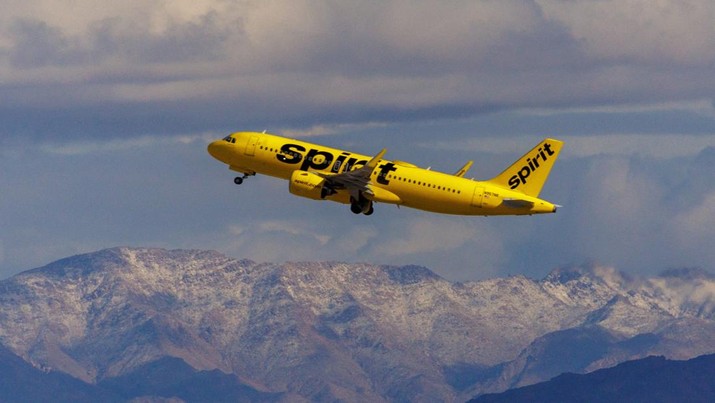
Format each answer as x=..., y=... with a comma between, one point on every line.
x=137, y=322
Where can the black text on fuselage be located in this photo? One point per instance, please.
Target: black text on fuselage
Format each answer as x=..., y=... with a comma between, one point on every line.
x=320, y=160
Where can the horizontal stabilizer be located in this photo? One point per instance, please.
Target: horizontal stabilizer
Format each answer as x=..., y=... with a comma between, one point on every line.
x=517, y=203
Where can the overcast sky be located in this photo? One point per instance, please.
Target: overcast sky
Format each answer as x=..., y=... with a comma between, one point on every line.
x=106, y=109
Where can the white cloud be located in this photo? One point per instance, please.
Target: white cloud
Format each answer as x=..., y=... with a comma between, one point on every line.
x=694, y=232
x=453, y=30
x=353, y=241
x=458, y=248
x=350, y=63
x=645, y=31
x=426, y=235
x=115, y=145
x=328, y=129
x=76, y=18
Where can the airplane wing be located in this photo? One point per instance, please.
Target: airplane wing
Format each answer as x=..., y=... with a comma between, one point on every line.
x=356, y=181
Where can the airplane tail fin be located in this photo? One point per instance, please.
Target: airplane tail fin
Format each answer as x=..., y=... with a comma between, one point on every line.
x=528, y=174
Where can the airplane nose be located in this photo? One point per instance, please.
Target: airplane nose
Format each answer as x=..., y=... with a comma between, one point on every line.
x=218, y=150
x=213, y=149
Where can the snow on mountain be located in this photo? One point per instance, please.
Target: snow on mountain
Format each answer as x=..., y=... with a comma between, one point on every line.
x=330, y=330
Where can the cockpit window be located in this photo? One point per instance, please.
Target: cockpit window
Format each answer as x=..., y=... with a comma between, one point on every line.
x=230, y=139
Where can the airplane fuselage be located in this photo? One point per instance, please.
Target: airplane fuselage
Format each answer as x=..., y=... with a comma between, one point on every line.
x=393, y=182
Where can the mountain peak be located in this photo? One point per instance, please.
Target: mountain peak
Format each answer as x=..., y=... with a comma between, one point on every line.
x=588, y=272
x=410, y=274
x=117, y=258
x=82, y=264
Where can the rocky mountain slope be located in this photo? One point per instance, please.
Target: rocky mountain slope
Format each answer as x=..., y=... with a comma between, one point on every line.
x=325, y=331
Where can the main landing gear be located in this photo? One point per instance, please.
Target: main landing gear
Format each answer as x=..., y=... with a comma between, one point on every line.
x=362, y=205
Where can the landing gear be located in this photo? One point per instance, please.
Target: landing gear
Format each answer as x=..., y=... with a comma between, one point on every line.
x=362, y=205
x=239, y=179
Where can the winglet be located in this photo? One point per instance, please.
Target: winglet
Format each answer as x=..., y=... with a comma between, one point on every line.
x=463, y=170
x=373, y=162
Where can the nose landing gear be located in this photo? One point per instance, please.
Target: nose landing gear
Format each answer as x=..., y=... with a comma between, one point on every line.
x=239, y=179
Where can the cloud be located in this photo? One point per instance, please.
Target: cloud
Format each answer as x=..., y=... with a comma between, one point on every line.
x=677, y=32
x=692, y=233
x=285, y=238
x=641, y=214
x=117, y=145
x=83, y=70
x=426, y=235
x=458, y=248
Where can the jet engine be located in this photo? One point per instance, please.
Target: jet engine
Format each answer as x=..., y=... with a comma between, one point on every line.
x=310, y=185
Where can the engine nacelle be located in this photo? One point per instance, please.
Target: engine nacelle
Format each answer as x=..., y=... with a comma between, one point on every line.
x=306, y=184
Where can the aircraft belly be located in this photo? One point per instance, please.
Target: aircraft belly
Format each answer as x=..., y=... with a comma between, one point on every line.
x=439, y=203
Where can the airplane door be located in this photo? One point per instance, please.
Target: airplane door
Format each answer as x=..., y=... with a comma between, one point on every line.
x=478, y=196
x=251, y=146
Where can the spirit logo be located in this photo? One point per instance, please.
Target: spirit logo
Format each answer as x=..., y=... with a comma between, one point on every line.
x=532, y=164
x=322, y=160
x=317, y=159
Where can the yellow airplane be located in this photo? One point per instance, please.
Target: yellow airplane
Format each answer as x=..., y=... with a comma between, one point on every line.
x=323, y=173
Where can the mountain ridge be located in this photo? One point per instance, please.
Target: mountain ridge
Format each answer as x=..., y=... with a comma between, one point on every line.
x=650, y=379
x=327, y=330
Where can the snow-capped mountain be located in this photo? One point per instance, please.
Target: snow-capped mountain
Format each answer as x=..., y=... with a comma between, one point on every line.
x=324, y=331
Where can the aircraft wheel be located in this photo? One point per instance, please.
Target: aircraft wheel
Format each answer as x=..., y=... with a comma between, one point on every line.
x=355, y=208
x=238, y=180
x=370, y=210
